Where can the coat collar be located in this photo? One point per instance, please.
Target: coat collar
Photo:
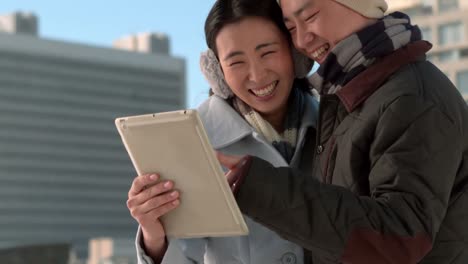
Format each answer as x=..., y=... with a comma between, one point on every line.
x=222, y=123
x=365, y=84
x=225, y=126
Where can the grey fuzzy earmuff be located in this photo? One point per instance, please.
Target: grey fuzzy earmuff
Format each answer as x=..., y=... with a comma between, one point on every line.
x=213, y=73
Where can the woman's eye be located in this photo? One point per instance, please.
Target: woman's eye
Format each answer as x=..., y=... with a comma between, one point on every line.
x=235, y=63
x=291, y=29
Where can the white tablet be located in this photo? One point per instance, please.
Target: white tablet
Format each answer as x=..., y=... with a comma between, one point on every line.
x=175, y=145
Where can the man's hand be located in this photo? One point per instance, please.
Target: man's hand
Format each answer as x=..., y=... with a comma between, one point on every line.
x=237, y=166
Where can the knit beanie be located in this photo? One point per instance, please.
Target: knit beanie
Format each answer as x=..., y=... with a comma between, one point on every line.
x=367, y=8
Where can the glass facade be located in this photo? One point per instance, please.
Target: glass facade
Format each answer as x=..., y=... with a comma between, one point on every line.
x=447, y=5
x=450, y=33
x=449, y=56
x=462, y=82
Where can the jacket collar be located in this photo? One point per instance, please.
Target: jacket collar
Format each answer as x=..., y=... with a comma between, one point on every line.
x=225, y=126
x=355, y=92
x=222, y=123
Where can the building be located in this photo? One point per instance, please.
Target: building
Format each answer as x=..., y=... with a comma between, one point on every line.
x=112, y=251
x=64, y=173
x=445, y=24
x=38, y=254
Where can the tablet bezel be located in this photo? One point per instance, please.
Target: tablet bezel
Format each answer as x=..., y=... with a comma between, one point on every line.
x=177, y=223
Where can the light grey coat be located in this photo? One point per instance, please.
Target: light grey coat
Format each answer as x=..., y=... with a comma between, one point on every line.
x=231, y=134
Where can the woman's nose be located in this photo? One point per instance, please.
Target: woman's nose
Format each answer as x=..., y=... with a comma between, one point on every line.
x=257, y=72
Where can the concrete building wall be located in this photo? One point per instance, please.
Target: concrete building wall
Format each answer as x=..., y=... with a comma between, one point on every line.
x=64, y=173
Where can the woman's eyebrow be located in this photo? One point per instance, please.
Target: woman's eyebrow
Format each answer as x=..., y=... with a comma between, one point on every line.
x=232, y=54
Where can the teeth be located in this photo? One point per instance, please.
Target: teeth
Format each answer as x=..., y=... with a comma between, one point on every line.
x=265, y=91
x=319, y=52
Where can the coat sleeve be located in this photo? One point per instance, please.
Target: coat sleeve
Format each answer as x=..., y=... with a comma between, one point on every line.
x=183, y=251
x=417, y=158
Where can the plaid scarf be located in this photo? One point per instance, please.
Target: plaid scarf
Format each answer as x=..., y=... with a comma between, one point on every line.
x=357, y=52
x=284, y=143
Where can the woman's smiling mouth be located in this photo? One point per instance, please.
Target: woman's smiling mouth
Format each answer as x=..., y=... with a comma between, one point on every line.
x=265, y=91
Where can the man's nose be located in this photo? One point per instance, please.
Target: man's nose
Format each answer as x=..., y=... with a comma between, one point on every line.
x=303, y=38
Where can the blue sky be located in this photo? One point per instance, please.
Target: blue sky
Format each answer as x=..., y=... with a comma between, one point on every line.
x=101, y=22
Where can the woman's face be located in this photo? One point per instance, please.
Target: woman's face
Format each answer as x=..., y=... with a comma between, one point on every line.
x=256, y=60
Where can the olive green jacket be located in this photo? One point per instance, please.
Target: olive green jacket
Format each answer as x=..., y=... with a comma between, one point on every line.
x=390, y=181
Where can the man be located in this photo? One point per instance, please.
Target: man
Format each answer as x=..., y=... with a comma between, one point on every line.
x=390, y=181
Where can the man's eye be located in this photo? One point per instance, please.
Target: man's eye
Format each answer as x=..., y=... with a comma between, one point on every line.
x=311, y=17
x=267, y=53
x=291, y=29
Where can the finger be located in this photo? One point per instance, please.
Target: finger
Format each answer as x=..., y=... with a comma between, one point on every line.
x=158, y=201
x=140, y=183
x=228, y=161
x=164, y=209
x=231, y=175
x=234, y=175
x=149, y=193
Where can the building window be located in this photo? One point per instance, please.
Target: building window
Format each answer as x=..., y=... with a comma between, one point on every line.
x=464, y=53
x=447, y=5
x=450, y=33
x=448, y=56
x=462, y=82
x=426, y=33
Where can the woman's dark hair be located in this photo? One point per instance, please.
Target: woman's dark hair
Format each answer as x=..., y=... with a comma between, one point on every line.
x=226, y=12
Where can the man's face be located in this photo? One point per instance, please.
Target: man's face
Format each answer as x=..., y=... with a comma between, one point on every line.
x=316, y=26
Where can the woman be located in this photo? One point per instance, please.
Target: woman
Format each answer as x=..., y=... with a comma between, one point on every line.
x=258, y=108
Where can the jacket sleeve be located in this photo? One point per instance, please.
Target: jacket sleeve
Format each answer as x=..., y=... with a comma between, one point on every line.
x=417, y=156
x=183, y=251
